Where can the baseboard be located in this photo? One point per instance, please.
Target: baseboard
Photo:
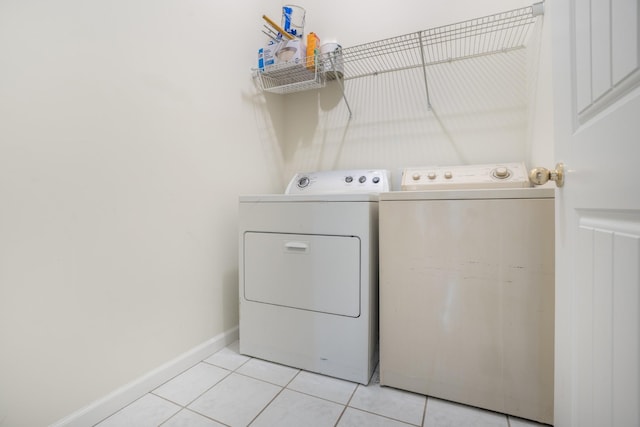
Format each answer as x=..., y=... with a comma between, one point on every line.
x=102, y=408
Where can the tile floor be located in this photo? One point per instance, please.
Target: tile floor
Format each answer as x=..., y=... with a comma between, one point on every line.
x=229, y=389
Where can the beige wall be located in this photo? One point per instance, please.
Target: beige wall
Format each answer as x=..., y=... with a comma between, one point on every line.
x=123, y=128
x=127, y=131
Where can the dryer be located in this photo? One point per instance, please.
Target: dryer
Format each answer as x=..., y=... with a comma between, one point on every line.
x=309, y=273
x=467, y=288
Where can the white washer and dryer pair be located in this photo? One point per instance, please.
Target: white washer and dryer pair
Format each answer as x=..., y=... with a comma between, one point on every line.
x=467, y=288
x=308, y=273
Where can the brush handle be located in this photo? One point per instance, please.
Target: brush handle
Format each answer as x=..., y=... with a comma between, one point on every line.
x=277, y=27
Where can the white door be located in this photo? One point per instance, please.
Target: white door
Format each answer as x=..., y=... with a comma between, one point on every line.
x=597, y=117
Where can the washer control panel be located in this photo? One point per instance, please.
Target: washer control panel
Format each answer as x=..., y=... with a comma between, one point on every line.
x=342, y=181
x=502, y=175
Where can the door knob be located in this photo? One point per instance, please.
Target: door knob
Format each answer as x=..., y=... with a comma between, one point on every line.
x=539, y=176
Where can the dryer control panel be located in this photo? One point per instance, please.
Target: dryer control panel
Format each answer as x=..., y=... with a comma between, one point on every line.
x=500, y=175
x=339, y=182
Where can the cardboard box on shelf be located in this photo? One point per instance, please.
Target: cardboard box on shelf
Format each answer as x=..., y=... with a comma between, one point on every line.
x=286, y=51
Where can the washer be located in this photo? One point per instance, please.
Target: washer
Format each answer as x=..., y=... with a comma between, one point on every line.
x=467, y=288
x=309, y=273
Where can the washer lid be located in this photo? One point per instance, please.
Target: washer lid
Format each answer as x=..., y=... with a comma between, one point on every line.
x=484, y=194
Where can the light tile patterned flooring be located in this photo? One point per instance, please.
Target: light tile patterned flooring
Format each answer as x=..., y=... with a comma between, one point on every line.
x=229, y=389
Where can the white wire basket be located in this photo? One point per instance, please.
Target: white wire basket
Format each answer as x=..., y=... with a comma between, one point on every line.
x=487, y=35
x=290, y=77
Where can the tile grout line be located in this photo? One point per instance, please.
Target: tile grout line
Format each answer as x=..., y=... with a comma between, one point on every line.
x=125, y=406
x=372, y=381
x=222, y=379
x=424, y=413
x=193, y=412
x=386, y=417
x=274, y=397
x=186, y=407
x=282, y=388
x=344, y=409
x=317, y=397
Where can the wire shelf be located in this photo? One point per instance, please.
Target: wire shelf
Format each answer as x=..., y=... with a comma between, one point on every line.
x=289, y=77
x=481, y=36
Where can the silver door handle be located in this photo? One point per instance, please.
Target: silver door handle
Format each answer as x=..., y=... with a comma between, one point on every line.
x=296, y=246
x=539, y=176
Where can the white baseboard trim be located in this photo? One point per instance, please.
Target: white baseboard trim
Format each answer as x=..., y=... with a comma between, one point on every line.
x=114, y=401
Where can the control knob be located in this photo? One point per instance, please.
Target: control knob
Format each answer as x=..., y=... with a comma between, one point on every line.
x=303, y=182
x=501, y=172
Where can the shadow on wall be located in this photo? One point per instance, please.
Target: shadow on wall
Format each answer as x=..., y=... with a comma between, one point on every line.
x=282, y=133
x=268, y=117
x=331, y=96
x=301, y=127
x=478, y=114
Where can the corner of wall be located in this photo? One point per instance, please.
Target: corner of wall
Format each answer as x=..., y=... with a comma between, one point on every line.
x=104, y=407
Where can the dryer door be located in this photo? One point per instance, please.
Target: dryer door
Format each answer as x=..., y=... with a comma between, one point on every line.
x=304, y=271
